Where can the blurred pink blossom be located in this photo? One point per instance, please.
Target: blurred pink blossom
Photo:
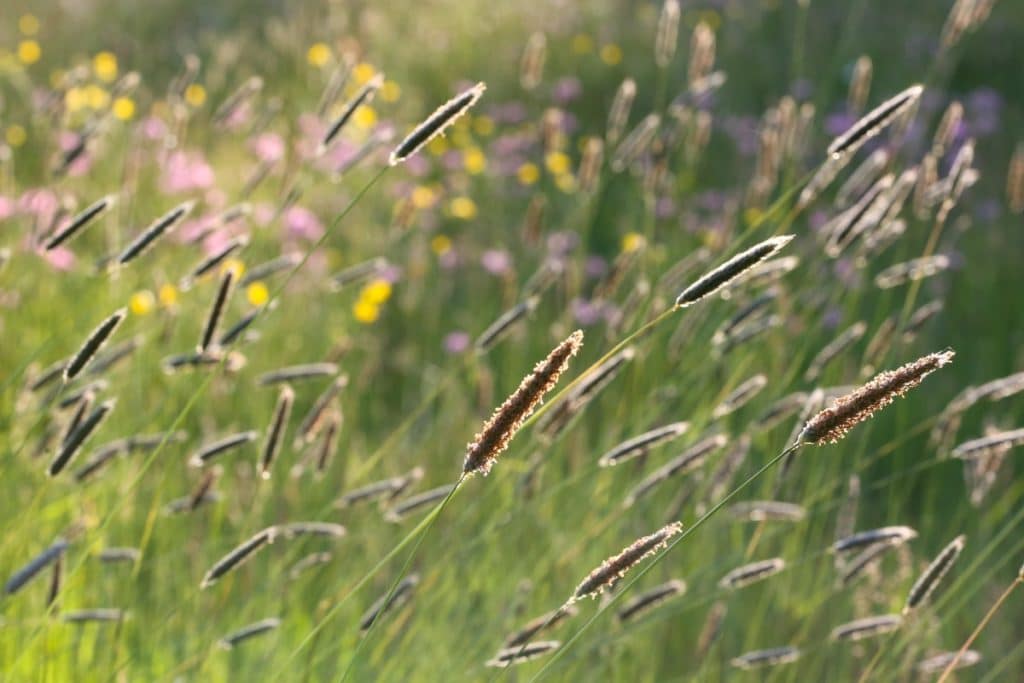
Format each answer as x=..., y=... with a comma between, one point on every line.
x=185, y=172
x=302, y=223
x=268, y=147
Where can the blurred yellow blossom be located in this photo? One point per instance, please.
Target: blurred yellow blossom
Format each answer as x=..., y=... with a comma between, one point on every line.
x=15, y=135
x=28, y=24
x=318, y=54
x=104, y=65
x=528, y=173
x=633, y=241
x=557, y=162
x=438, y=145
x=167, y=295
x=195, y=95
x=142, y=302
x=582, y=44
x=474, y=160
x=611, y=54
x=96, y=96
x=441, y=244
x=365, y=116
x=376, y=292
x=390, y=91
x=463, y=207
x=124, y=108
x=75, y=99
x=235, y=266
x=257, y=294
x=362, y=72
x=365, y=311
x=566, y=182
x=29, y=52
x=483, y=125
x=422, y=197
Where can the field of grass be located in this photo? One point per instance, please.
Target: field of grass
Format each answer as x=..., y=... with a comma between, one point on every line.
x=620, y=152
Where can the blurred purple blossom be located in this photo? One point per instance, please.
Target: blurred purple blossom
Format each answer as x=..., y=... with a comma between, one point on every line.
x=983, y=107
x=586, y=312
x=561, y=243
x=456, y=342
x=302, y=223
x=508, y=113
x=595, y=267
x=566, y=89
x=496, y=261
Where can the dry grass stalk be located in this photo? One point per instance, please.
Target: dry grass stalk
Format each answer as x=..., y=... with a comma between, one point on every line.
x=501, y=326
x=636, y=143
x=1000, y=442
x=712, y=627
x=886, y=535
x=767, y=510
x=93, y=344
x=220, y=446
x=873, y=122
x=99, y=614
x=308, y=562
x=615, y=567
x=731, y=269
x=938, y=663
x=517, y=655
x=764, y=658
x=362, y=97
x=542, y=623
x=208, y=264
x=752, y=573
x=618, y=114
x=667, y=34
x=642, y=443
x=276, y=430
x=37, y=564
x=313, y=420
x=147, y=237
x=702, y=55
x=531, y=65
x=862, y=178
x=246, y=632
x=933, y=574
x=689, y=460
x=740, y=396
x=860, y=84
x=239, y=555
x=79, y=221
x=834, y=349
x=216, y=310
x=779, y=411
x=297, y=372
x=120, y=555
x=651, y=599
x=866, y=628
x=399, y=596
x=1015, y=181
x=832, y=424
x=436, y=123
x=76, y=438
x=499, y=430
x=404, y=507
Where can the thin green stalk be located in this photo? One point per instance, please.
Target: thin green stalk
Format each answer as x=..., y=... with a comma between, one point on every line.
x=981, y=626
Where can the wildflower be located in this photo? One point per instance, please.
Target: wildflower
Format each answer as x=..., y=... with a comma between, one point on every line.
x=318, y=55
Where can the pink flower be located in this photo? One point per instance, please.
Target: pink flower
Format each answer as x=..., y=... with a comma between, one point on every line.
x=185, y=172
x=496, y=261
x=60, y=258
x=268, y=147
x=302, y=223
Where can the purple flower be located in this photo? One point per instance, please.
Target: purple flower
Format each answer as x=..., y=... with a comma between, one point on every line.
x=664, y=208
x=302, y=223
x=586, y=312
x=839, y=122
x=268, y=147
x=154, y=128
x=984, y=106
x=566, y=89
x=595, y=267
x=801, y=89
x=508, y=113
x=562, y=242
x=456, y=342
x=496, y=261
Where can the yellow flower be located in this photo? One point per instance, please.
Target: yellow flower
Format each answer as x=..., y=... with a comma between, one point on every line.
x=438, y=145
x=376, y=291
x=29, y=52
x=582, y=43
x=104, y=65
x=566, y=182
x=557, y=162
x=28, y=24
x=461, y=138
x=96, y=97
x=390, y=91
x=441, y=244
x=142, y=302
x=528, y=173
x=75, y=99
x=365, y=311
x=364, y=117
x=318, y=54
x=422, y=197
x=235, y=266
x=16, y=135
x=463, y=207
x=362, y=72
x=633, y=241
x=124, y=108
x=611, y=54
x=167, y=295
x=257, y=294
x=195, y=95
x=474, y=160
x=483, y=125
